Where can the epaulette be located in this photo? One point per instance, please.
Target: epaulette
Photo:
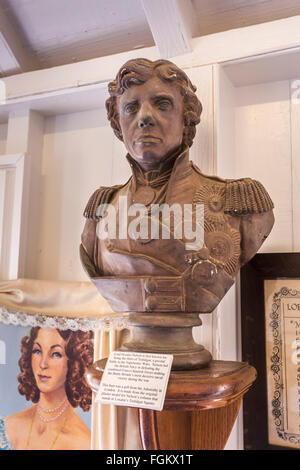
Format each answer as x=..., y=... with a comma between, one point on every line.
x=103, y=195
x=246, y=196
x=242, y=196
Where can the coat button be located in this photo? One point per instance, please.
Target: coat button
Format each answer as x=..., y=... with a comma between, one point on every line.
x=151, y=303
x=150, y=286
x=204, y=272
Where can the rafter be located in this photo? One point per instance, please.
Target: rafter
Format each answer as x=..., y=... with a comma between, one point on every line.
x=14, y=53
x=171, y=24
x=8, y=62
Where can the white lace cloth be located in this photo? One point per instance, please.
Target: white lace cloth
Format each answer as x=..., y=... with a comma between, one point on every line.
x=12, y=317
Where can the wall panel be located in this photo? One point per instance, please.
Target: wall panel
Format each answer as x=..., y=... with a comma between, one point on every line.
x=263, y=151
x=77, y=159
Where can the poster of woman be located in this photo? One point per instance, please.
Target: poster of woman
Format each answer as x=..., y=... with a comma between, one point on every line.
x=51, y=379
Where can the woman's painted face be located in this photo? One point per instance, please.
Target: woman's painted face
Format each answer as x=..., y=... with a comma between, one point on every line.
x=49, y=361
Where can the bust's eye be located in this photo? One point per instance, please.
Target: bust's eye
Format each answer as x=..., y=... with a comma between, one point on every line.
x=131, y=108
x=163, y=104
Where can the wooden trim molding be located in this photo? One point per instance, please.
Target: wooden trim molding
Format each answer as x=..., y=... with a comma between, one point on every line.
x=11, y=201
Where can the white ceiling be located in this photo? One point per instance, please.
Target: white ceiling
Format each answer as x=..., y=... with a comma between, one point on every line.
x=57, y=31
x=36, y=34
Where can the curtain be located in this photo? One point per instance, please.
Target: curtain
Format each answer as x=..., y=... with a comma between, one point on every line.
x=113, y=427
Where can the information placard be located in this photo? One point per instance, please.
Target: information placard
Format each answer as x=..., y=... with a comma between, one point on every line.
x=135, y=379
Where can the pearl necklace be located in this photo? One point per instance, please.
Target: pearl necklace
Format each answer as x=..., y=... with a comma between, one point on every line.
x=49, y=420
x=56, y=437
x=50, y=410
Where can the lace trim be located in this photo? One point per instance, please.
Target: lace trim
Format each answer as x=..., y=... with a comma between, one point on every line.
x=13, y=317
x=5, y=444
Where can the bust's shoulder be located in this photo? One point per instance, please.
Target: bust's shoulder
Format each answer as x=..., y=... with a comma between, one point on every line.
x=241, y=196
x=103, y=195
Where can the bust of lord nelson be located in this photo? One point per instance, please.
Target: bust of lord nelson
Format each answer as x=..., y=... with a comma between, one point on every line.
x=154, y=110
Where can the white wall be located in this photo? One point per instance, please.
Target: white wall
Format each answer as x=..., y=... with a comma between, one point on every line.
x=263, y=151
x=258, y=138
x=77, y=159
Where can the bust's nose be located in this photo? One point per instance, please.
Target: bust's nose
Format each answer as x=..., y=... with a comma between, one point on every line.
x=145, y=121
x=145, y=118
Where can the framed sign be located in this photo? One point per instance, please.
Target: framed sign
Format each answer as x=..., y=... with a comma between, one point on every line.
x=270, y=320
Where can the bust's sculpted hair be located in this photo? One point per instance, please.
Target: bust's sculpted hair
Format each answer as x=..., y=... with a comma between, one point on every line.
x=79, y=350
x=139, y=71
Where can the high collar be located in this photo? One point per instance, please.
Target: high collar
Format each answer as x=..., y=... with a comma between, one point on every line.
x=175, y=163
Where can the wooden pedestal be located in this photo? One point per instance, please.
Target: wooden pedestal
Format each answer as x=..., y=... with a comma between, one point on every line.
x=200, y=407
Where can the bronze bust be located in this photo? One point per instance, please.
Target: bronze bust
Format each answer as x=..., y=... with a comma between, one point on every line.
x=161, y=281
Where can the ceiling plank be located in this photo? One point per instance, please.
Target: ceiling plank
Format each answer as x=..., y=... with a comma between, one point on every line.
x=14, y=42
x=171, y=24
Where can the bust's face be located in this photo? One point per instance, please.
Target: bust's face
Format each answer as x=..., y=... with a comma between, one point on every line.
x=151, y=120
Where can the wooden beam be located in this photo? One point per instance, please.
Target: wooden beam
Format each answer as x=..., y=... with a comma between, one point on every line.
x=171, y=24
x=8, y=63
x=16, y=51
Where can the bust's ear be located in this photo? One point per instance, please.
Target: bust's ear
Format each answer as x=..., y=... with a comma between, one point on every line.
x=113, y=116
x=255, y=228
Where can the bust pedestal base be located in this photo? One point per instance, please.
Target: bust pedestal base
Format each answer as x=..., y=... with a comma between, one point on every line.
x=167, y=333
x=200, y=406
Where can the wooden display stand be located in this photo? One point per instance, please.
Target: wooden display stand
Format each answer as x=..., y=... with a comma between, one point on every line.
x=200, y=407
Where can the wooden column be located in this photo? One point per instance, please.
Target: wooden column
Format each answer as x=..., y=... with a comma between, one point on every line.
x=200, y=407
